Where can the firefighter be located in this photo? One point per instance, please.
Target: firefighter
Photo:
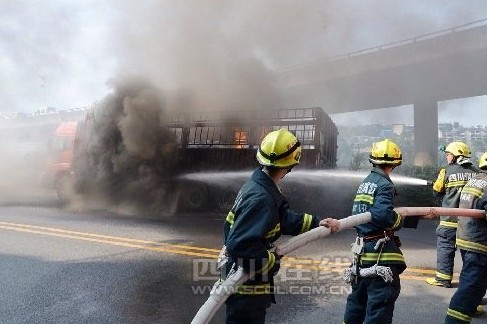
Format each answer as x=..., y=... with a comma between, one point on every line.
x=449, y=185
x=378, y=260
x=258, y=217
x=472, y=242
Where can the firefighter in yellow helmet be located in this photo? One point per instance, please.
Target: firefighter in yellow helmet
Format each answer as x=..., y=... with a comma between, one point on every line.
x=449, y=185
x=279, y=150
x=259, y=216
x=378, y=260
x=472, y=241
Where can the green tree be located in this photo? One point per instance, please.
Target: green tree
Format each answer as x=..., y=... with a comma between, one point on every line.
x=358, y=161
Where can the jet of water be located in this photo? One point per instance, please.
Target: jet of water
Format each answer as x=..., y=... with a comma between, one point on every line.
x=310, y=177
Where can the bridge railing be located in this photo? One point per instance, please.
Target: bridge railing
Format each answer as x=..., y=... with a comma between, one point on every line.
x=52, y=118
x=463, y=38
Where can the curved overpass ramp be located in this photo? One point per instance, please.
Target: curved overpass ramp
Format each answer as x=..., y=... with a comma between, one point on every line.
x=444, y=65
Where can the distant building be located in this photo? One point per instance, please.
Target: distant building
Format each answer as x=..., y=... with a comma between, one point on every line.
x=45, y=111
x=397, y=129
x=385, y=133
x=358, y=139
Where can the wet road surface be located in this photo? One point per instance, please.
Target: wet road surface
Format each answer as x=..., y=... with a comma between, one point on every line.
x=94, y=266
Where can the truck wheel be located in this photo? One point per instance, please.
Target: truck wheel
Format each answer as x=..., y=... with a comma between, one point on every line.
x=226, y=199
x=194, y=196
x=65, y=189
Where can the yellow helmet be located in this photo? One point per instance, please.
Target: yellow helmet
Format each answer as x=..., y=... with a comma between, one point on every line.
x=457, y=149
x=483, y=161
x=279, y=149
x=385, y=152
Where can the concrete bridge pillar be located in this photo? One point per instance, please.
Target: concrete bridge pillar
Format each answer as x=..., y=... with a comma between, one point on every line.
x=425, y=132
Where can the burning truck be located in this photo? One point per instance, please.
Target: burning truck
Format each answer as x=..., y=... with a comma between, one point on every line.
x=127, y=149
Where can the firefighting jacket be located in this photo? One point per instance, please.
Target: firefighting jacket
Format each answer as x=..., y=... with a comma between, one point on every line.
x=449, y=184
x=375, y=195
x=258, y=218
x=472, y=232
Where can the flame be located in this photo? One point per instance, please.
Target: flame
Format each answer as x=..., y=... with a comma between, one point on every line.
x=240, y=138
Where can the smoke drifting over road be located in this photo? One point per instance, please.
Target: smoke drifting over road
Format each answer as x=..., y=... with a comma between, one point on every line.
x=22, y=157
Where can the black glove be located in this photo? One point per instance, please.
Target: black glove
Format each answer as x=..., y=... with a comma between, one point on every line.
x=482, y=202
x=411, y=222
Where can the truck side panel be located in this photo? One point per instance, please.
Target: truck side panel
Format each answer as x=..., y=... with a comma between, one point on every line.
x=230, y=142
x=220, y=159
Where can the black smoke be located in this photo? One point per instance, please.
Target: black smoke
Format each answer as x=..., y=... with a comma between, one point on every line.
x=126, y=155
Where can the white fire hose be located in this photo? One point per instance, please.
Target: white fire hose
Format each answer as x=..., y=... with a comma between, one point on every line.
x=433, y=212
x=221, y=291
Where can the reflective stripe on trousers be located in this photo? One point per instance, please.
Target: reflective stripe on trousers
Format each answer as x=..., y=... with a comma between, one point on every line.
x=472, y=288
x=445, y=253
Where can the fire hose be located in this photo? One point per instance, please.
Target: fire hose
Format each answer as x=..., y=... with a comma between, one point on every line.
x=222, y=290
x=440, y=211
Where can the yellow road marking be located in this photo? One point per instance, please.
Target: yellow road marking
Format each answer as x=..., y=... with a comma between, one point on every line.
x=107, y=237
x=112, y=242
x=289, y=262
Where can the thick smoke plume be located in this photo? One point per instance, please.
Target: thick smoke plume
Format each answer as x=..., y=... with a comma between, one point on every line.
x=126, y=153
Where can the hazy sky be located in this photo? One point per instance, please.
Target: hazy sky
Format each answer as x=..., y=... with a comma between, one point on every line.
x=62, y=53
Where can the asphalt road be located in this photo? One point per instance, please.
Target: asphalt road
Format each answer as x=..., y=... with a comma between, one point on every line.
x=97, y=266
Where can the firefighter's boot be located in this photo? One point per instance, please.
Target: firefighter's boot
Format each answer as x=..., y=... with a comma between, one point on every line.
x=479, y=310
x=434, y=282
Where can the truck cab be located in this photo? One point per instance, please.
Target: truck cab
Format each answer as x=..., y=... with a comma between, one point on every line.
x=60, y=162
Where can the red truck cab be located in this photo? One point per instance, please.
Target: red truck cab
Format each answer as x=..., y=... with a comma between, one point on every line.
x=60, y=163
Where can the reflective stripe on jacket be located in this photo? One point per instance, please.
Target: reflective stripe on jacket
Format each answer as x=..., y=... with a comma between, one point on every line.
x=472, y=232
x=375, y=195
x=258, y=218
x=449, y=185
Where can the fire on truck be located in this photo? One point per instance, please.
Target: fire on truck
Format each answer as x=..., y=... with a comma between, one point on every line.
x=200, y=142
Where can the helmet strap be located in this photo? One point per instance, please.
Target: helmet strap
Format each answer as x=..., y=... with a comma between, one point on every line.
x=274, y=157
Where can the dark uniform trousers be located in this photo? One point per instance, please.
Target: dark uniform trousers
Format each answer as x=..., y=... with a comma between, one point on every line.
x=247, y=309
x=472, y=288
x=372, y=300
x=446, y=247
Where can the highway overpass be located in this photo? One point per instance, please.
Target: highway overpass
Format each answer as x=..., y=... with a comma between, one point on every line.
x=421, y=71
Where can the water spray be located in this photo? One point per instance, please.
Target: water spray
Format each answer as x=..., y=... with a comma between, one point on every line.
x=309, y=177
x=399, y=179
